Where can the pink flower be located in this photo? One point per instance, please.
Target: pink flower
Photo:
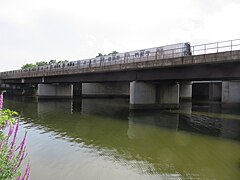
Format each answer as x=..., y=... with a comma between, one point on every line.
x=1, y=101
x=15, y=135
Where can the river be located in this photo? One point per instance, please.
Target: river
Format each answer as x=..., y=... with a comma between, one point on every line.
x=102, y=139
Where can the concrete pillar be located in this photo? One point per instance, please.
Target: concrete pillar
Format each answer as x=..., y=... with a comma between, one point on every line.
x=215, y=91
x=142, y=95
x=168, y=95
x=231, y=92
x=105, y=89
x=55, y=90
x=185, y=92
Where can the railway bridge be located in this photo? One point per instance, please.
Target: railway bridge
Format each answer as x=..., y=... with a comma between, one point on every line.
x=149, y=81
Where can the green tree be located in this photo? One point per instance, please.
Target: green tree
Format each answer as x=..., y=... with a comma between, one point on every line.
x=41, y=63
x=99, y=55
x=53, y=61
x=26, y=66
x=113, y=52
x=65, y=61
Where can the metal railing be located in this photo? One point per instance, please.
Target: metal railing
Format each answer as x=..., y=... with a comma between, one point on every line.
x=216, y=47
x=152, y=59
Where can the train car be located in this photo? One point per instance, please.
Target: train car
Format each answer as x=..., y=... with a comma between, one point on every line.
x=149, y=54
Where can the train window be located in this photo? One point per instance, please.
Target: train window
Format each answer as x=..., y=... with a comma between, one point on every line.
x=84, y=62
x=126, y=55
x=136, y=54
x=102, y=59
x=118, y=57
x=109, y=58
x=113, y=58
x=68, y=64
x=142, y=53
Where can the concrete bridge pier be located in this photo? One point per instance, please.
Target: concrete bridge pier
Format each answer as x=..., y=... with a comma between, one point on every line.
x=55, y=91
x=147, y=95
x=231, y=92
x=168, y=95
x=185, y=91
x=142, y=95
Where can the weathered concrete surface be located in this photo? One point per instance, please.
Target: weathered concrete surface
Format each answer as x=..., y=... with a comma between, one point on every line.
x=168, y=95
x=215, y=91
x=105, y=89
x=142, y=94
x=185, y=91
x=55, y=90
x=231, y=92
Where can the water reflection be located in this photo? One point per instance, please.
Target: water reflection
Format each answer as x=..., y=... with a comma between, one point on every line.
x=156, y=144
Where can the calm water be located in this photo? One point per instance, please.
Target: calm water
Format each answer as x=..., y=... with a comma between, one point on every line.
x=102, y=139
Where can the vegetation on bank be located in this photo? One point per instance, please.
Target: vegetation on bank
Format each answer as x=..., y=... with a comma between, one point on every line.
x=11, y=153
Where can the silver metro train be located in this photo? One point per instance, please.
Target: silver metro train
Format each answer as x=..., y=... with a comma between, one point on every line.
x=162, y=52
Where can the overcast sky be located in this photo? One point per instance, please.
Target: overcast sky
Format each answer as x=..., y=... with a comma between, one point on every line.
x=41, y=30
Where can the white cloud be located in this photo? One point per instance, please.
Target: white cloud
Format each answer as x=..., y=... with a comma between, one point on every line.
x=32, y=30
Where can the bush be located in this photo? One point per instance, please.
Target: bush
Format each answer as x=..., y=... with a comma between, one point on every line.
x=11, y=154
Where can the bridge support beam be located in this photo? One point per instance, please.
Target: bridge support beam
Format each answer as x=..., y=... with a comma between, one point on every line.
x=142, y=95
x=185, y=91
x=231, y=92
x=105, y=89
x=55, y=90
x=168, y=95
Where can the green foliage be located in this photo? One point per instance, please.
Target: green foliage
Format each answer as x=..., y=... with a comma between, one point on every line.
x=26, y=66
x=7, y=166
x=51, y=62
x=113, y=52
x=65, y=61
x=11, y=154
x=99, y=55
x=41, y=63
x=7, y=115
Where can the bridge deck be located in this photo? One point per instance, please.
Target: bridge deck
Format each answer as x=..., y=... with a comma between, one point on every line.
x=146, y=63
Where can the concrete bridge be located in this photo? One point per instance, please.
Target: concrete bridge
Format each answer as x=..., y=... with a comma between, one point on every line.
x=149, y=81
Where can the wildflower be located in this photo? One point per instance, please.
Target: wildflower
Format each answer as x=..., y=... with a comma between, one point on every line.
x=1, y=101
x=15, y=135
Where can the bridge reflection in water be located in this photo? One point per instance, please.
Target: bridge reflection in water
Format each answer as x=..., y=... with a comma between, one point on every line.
x=91, y=137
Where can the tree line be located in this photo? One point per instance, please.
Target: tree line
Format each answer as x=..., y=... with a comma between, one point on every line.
x=41, y=63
